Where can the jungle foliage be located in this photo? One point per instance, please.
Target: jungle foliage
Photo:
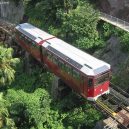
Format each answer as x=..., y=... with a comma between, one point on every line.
x=28, y=104
x=107, y=30
x=74, y=21
x=7, y=63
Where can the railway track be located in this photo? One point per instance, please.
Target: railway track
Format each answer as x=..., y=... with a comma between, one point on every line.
x=115, y=105
x=117, y=88
x=111, y=113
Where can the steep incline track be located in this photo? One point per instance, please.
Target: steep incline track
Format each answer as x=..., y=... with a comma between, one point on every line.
x=115, y=106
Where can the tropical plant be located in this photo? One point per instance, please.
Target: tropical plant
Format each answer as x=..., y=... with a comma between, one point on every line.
x=33, y=110
x=79, y=26
x=74, y=21
x=124, y=39
x=5, y=120
x=7, y=62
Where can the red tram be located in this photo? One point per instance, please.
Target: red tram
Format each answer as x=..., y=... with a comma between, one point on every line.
x=82, y=72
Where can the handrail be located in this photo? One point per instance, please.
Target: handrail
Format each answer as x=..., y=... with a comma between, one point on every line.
x=115, y=21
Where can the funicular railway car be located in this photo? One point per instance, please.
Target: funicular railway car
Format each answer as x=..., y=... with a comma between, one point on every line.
x=87, y=75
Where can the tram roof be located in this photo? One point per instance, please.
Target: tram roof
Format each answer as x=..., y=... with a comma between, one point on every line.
x=83, y=61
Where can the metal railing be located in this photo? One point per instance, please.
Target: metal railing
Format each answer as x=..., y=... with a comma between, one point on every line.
x=115, y=21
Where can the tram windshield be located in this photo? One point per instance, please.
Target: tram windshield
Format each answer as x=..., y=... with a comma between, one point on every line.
x=102, y=78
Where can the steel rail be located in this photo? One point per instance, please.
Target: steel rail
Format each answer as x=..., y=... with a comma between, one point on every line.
x=122, y=98
x=123, y=92
x=111, y=113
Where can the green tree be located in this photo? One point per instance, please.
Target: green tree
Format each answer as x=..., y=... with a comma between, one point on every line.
x=74, y=21
x=33, y=110
x=79, y=26
x=43, y=13
x=7, y=62
x=124, y=39
x=82, y=117
x=5, y=121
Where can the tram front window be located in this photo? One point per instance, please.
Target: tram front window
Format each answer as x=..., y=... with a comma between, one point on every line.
x=102, y=78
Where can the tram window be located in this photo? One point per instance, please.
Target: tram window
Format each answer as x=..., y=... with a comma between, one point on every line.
x=76, y=74
x=29, y=41
x=55, y=60
x=102, y=78
x=20, y=36
x=68, y=69
x=49, y=56
x=90, y=82
x=26, y=40
x=61, y=64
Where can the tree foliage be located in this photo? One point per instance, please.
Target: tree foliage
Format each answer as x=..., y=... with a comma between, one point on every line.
x=33, y=109
x=108, y=30
x=29, y=104
x=79, y=26
x=5, y=118
x=7, y=63
x=74, y=21
x=82, y=117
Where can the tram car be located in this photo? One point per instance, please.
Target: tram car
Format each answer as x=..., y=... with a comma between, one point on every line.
x=85, y=74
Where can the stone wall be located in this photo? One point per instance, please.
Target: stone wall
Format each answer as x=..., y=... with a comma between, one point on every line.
x=11, y=11
x=118, y=8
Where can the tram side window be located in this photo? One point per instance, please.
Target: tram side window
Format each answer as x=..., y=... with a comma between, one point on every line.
x=55, y=60
x=26, y=40
x=76, y=74
x=49, y=55
x=61, y=64
x=29, y=41
x=90, y=82
x=68, y=69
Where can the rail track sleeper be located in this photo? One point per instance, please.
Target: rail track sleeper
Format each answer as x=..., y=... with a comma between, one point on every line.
x=121, y=90
x=121, y=97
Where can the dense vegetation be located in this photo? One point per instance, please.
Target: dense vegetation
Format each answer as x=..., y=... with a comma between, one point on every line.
x=27, y=103
x=74, y=21
x=6, y=66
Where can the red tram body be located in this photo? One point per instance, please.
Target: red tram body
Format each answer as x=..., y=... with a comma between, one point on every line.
x=84, y=73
